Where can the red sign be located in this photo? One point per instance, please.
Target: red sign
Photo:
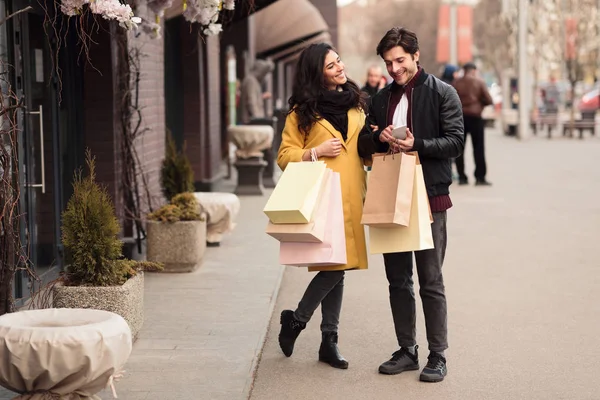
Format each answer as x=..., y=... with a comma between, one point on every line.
x=464, y=34
x=443, y=39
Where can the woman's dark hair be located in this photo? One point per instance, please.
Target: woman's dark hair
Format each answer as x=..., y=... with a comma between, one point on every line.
x=309, y=83
x=398, y=36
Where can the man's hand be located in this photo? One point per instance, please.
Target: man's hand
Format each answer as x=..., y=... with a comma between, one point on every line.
x=386, y=137
x=408, y=143
x=267, y=95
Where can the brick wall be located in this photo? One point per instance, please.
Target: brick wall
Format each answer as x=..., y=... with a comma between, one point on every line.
x=201, y=104
x=102, y=113
x=151, y=144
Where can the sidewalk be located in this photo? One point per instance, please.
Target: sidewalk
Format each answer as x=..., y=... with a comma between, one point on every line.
x=523, y=283
x=204, y=330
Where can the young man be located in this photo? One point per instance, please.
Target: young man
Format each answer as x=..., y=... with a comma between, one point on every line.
x=432, y=112
x=474, y=96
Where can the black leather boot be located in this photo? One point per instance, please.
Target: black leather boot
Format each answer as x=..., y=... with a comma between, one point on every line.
x=290, y=329
x=329, y=352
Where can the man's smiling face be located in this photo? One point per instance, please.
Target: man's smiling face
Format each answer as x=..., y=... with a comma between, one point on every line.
x=401, y=65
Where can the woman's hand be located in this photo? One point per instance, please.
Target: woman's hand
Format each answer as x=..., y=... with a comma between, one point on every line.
x=331, y=148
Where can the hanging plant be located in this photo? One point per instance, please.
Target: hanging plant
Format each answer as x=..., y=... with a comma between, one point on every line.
x=108, y=9
x=206, y=13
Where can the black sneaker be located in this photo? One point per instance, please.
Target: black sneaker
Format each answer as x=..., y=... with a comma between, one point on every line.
x=401, y=361
x=463, y=181
x=290, y=329
x=435, y=370
x=482, y=182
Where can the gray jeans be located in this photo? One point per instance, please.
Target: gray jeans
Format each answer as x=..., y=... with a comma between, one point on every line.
x=399, y=271
x=326, y=289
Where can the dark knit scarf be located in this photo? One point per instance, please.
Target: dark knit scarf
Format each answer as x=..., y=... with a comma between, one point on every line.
x=333, y=106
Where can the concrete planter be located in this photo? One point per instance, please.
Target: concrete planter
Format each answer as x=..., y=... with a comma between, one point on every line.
x=126, y=300
x=180, y=246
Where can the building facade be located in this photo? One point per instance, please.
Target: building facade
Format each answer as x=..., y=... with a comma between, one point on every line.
x=73, y=99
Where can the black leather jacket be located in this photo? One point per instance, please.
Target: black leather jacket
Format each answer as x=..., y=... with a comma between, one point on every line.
x=438, y=128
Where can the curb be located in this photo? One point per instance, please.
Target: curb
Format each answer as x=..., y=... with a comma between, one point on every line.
x=249, y=386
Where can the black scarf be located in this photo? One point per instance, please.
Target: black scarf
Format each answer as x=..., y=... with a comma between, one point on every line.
x=333, y=106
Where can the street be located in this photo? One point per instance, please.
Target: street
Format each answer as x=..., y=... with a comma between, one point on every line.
x=522, y=283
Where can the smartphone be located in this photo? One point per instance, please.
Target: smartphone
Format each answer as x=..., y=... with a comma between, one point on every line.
x=399, y=132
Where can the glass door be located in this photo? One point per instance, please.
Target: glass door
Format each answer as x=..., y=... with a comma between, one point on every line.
x=40, y=166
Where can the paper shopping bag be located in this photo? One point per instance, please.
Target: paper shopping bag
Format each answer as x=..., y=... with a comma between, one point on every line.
x=296, y=195
x=332, y=251
x=417, y=236
x=312, y=232
x=389, y=191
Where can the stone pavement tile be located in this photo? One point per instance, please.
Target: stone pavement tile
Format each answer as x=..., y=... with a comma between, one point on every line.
x=522, y=281
x=6, y=394
x=123, y=395
x=196, y=393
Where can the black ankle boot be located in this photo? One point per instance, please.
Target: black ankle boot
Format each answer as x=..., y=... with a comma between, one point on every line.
x=329, y=352
x=290, y=329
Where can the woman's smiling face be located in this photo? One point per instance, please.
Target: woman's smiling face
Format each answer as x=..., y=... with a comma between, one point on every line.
x=333, y=71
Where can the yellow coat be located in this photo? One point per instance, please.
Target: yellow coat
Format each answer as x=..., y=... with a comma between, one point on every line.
x=352, y=176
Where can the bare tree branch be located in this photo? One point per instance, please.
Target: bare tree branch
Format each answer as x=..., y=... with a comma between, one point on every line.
x=15, y=14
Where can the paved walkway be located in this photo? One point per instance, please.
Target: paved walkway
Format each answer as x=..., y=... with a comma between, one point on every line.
x=523, y=285
x=522, y=277
x=203, y=331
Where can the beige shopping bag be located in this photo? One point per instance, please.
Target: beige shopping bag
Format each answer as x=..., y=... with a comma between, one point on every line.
x=390, y=190
x=417, y=236
x=332, y=251
x=312, y=232
x=294, y=199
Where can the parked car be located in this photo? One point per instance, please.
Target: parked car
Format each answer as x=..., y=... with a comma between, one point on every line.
x=589, y=104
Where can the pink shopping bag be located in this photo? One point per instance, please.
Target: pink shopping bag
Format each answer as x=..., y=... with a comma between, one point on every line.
x=332, y=251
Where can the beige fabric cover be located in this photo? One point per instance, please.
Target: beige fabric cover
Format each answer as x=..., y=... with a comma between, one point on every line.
x=251, y=140
x=65, y=353
x=221, y=209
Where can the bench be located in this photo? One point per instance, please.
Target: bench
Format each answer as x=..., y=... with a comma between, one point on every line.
x=580, y=125
x=550, y=121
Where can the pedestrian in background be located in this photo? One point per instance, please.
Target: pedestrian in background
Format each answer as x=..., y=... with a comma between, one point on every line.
x=474, y=97
x=326, y=114
x=449, y=73
x=373, y=84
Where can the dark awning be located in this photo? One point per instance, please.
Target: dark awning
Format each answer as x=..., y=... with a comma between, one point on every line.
x=287, y=27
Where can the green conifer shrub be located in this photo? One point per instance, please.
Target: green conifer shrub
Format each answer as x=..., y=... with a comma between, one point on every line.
x=89, y=234
x=176, y=175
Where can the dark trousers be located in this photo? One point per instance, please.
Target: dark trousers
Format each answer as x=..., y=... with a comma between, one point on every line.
x=326, y=289
x=399, y=271
x=474, y=126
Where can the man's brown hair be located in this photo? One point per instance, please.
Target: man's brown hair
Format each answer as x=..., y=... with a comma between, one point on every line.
x=398, y=36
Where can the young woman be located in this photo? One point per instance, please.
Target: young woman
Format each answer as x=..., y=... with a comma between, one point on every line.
x=326, y=114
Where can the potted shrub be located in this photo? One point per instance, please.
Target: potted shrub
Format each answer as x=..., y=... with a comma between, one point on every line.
x=177, y=234
x=96, y=275
x=176, y=174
